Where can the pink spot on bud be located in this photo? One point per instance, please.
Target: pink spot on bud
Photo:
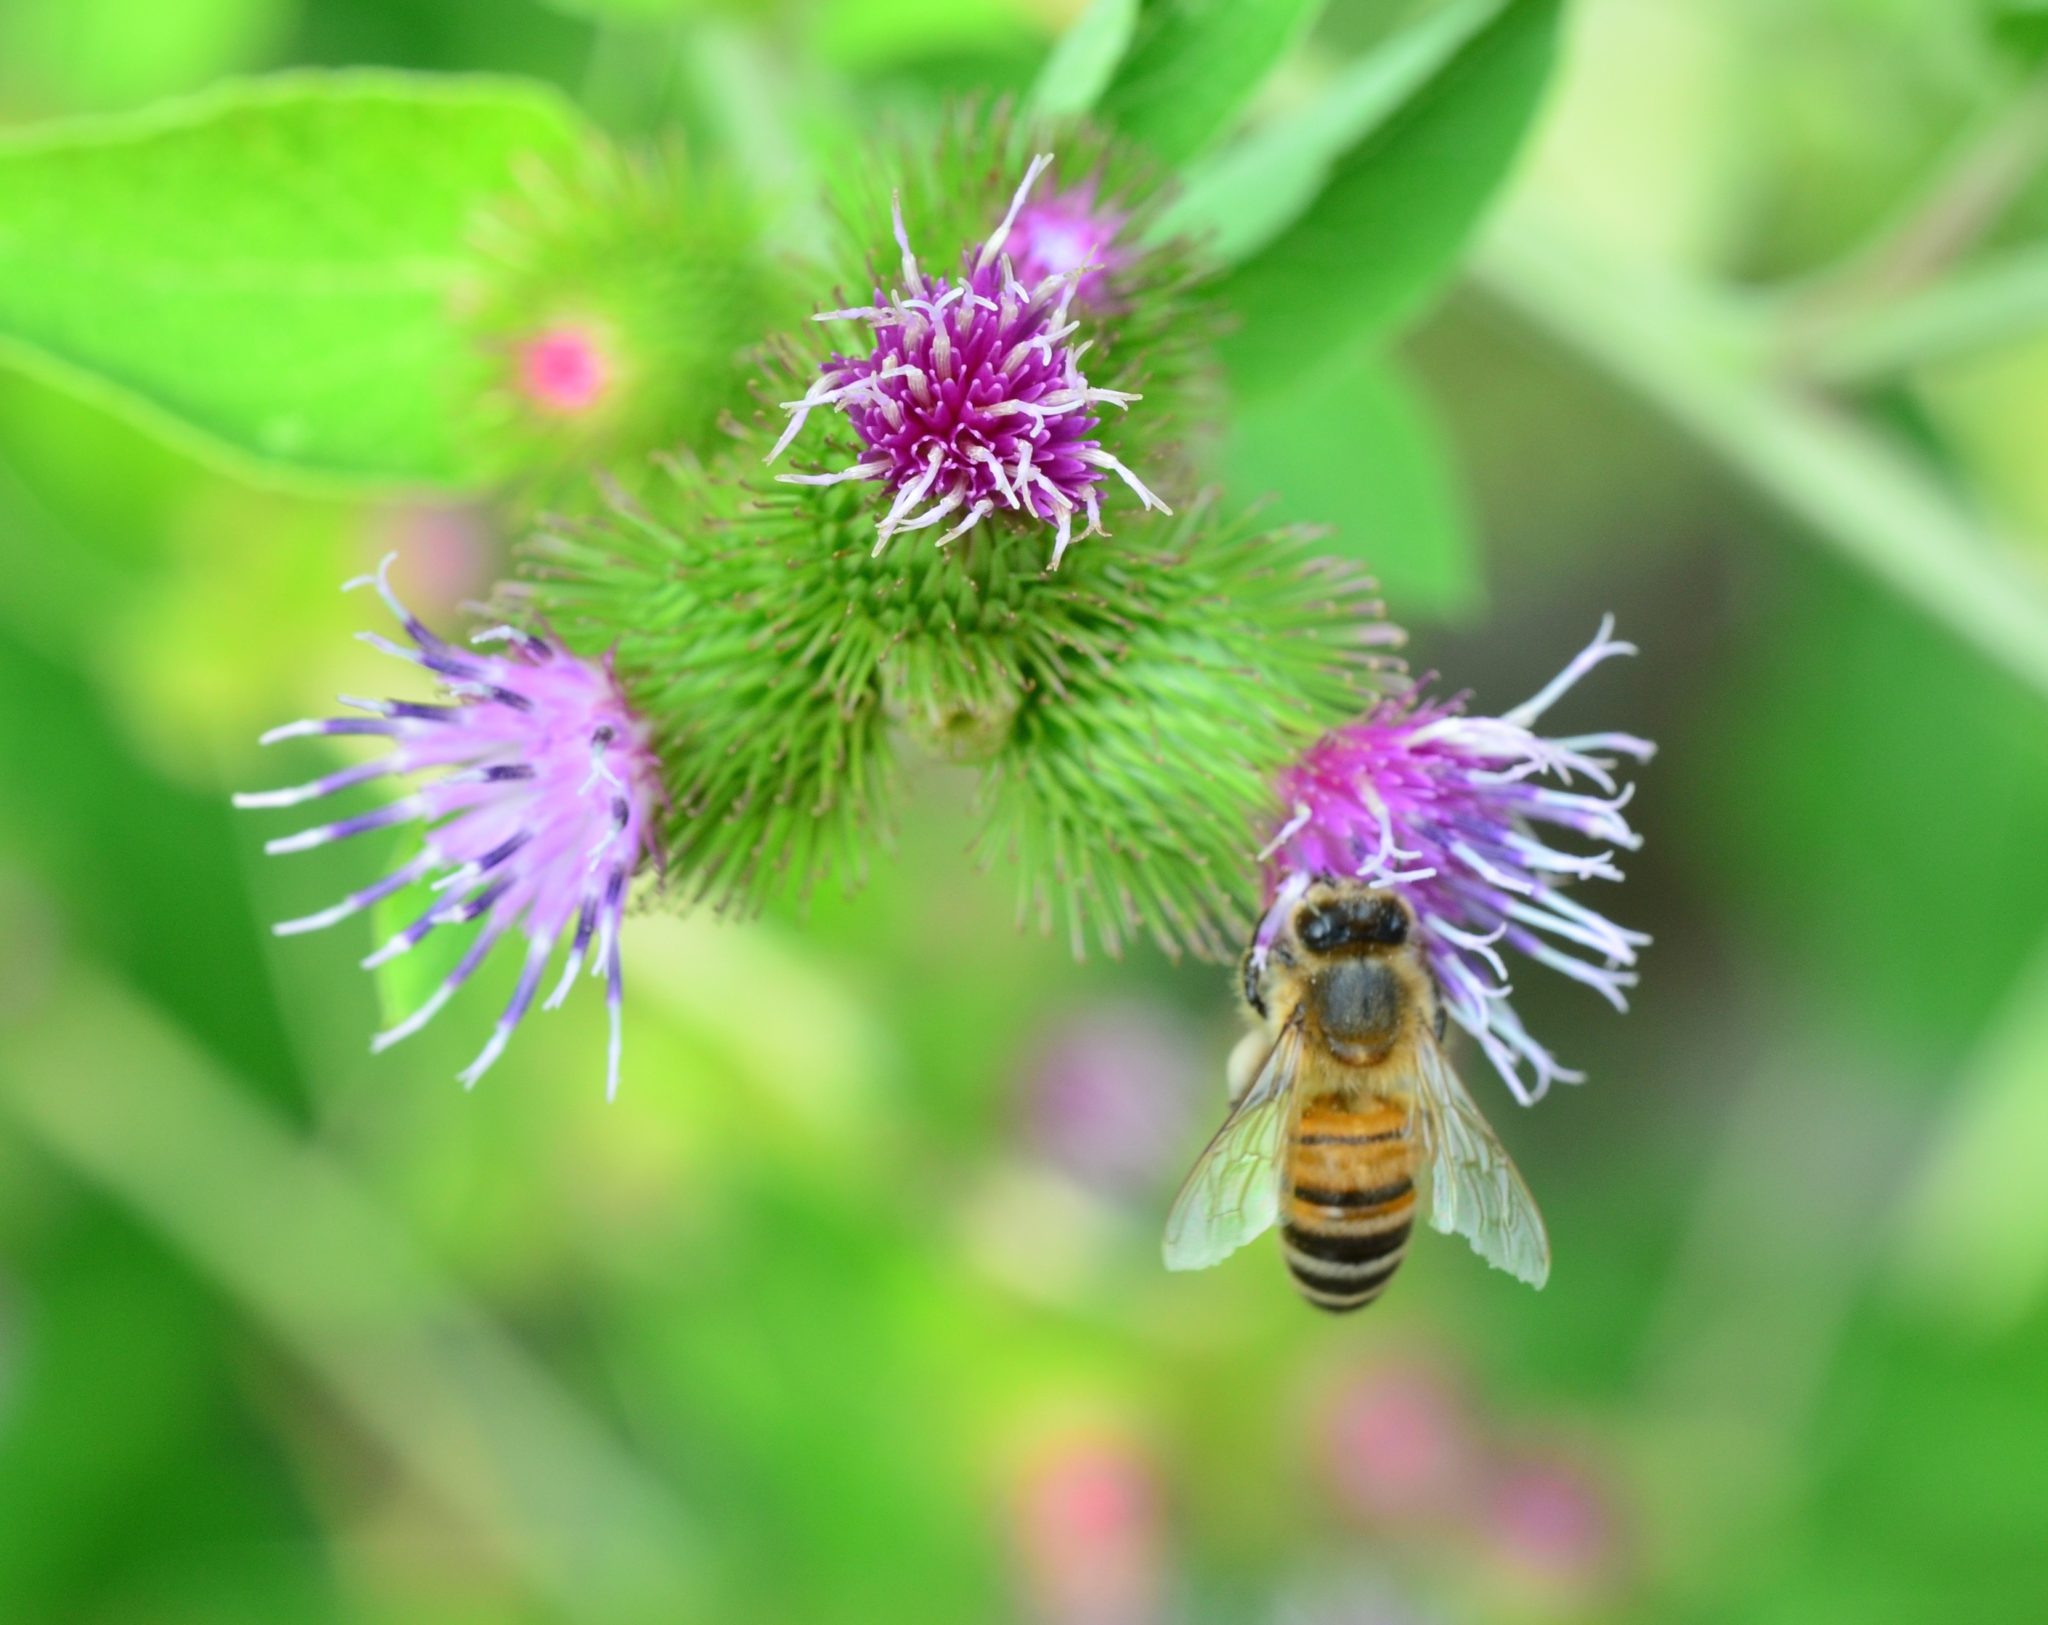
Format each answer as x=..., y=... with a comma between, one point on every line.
x=564, y=371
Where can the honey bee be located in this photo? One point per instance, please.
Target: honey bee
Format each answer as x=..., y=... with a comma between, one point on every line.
x=1341, y=1095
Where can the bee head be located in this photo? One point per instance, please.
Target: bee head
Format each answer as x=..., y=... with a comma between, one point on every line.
x=1359, y=990
x=1354, y=921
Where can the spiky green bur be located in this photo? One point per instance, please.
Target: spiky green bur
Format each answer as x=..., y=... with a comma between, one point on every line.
x=1147, y=316
x=1131, y=710
x=1130, y=802
x=613, y=306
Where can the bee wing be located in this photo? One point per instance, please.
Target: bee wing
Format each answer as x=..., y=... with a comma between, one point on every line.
x=1233, y=1192
x=1477, y=1193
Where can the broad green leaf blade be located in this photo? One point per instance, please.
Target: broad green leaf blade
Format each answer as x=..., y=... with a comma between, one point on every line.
x=1239, y=199
x=104, y=55
x=1350, y=447
x=1193, y=66
x=1400, y=204
x=1085, y=59
x=269, y=267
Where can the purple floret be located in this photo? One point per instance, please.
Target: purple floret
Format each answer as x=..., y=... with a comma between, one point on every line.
x=538, y=804
x=1071, y=233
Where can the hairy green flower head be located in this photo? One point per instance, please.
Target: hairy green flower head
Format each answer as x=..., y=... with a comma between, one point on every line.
x=1129, y=713
x=613, y=306
x=951, y=710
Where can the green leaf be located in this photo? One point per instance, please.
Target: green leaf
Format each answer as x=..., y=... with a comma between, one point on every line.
x=1350, y=447
x=269, y=267
x=1238, y=200
x=99, y=55
x=863, y=37
x=628, y=13
x=1387, y=229
x=1194, y=65
x=1083, y=62
x=2019, y=27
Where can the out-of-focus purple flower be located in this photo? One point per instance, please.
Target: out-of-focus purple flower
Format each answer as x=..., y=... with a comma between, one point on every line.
x=1551, y=1521
x=1401, y=1445
x=539, y=809
x=972, y=400
x=1447, y=806
x=1089, y=1527
x=1106, y=1098
x=1072, y=233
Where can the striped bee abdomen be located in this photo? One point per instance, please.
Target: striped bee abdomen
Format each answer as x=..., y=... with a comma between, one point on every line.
x=1350, y=1199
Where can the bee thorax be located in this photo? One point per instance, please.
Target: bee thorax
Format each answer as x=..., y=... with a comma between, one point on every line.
x=1358, y=1004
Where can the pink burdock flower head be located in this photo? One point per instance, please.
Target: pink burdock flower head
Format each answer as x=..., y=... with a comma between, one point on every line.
x=972, y=400
x=538, y=800
x=564, y=371
x=1074, y=234
x=1448, y=808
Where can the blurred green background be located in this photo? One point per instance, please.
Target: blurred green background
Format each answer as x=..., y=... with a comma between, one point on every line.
x=850, y=1309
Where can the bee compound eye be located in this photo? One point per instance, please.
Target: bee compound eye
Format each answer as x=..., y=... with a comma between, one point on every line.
x=1389, y=923
x=1319, y=929
x=1353, y=922
x=1251, y=982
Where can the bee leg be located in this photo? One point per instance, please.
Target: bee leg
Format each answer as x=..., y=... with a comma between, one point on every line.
x=1247, y=1061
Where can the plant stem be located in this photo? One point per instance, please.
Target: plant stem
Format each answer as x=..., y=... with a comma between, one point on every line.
x=1696, y=355
x=1695, y=1390
x=742, y=85
x=1970, y=310
x=1947, y=220
x=1972, y=1232
x=99, y=1081
x=1872, y=312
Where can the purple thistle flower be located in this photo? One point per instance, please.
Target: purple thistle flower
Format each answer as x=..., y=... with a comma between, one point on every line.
x=539, y=815
x=972, y=399
x=1073, y=234
x=1105, y=1100
x=1420, y=795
